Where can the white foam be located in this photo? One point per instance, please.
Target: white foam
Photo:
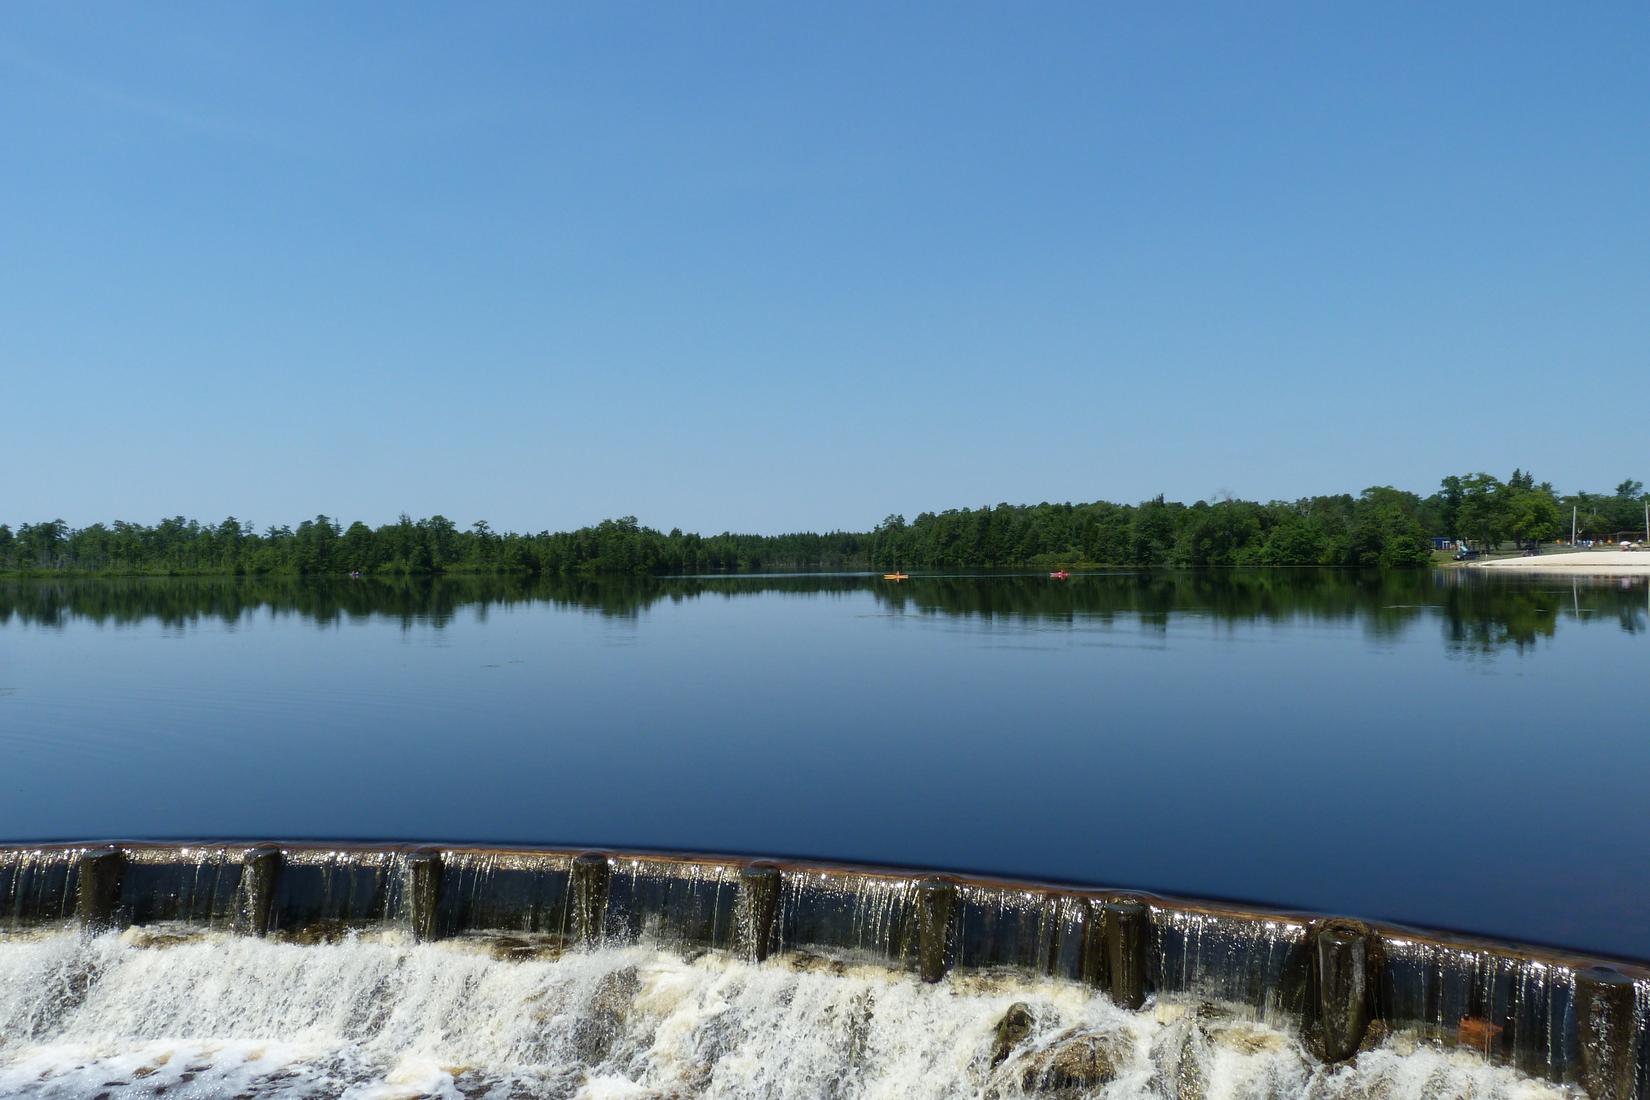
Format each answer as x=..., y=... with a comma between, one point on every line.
x=379, y=1018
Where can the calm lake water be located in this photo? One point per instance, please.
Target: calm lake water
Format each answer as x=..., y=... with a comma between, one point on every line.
x=1444, y=749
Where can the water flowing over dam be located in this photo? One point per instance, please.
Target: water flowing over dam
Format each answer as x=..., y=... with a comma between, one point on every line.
x=307, y=970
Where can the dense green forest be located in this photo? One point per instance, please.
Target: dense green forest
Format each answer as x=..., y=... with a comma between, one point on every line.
x=1380, y=527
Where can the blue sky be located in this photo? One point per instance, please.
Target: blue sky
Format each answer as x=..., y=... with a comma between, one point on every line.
x=768, y=267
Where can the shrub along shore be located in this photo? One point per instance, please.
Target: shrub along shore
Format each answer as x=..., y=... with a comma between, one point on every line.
x=1380, y=527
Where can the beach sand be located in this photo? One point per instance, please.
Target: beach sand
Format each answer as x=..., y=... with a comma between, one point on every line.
x=1598, y=563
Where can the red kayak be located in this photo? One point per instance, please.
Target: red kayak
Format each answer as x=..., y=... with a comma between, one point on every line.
x=1059, y=575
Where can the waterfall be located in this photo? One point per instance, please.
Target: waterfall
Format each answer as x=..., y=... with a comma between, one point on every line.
x=136, y=1014
x=315, y=970
x=1237, y=960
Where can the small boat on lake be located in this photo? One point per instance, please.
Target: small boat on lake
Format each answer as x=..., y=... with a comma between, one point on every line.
x=896, y=576
x=1059, y=575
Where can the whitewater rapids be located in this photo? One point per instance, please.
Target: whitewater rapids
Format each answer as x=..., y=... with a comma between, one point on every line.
x=158, y=1012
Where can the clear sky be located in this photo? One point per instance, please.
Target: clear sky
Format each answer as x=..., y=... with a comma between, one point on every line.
x=777, y=266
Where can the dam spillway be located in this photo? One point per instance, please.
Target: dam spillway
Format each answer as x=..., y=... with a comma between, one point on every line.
x=1018, y=977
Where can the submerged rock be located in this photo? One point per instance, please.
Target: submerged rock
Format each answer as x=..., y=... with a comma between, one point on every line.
x=1073, y=1064
x=161, y=937
x=809, y=963
x=604, y=1015
x=1012, y=1030
x=1203, y=1042
x=316, y=932
x=859, y=1028
x=522, y=948
x=1248, y=1039
x=1181, y=1056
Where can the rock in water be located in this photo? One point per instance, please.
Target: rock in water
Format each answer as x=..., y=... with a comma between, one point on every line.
x=1073, y=1064
x=1012, y=1030
x=604, y=1016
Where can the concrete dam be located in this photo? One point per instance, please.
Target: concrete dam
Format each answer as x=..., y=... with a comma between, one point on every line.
x=307, y=970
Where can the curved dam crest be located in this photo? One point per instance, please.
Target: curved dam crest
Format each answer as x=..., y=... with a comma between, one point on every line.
x=1449, y=722
x=475, y=970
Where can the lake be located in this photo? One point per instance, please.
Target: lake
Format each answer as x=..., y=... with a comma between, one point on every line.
x=1440, y=748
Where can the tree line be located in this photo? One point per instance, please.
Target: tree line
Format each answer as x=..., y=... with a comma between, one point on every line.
x=1379, y=527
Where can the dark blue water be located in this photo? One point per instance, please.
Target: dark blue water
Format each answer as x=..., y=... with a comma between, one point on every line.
x=1443, y=749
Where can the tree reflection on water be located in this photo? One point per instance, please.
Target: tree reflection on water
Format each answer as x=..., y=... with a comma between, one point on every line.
x=1478, y=614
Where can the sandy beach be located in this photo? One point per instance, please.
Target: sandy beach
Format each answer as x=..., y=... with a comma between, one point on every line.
x=1598, y=563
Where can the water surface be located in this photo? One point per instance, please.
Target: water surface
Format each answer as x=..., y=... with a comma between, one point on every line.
x=1447, y=749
